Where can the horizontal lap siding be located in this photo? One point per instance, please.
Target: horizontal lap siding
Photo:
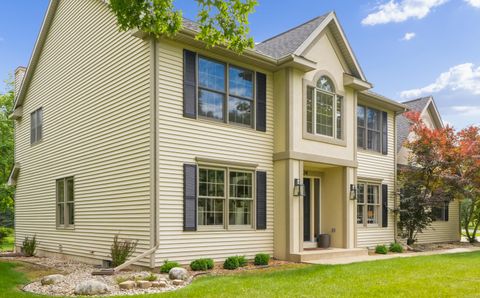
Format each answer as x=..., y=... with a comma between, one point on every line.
x=180, y=141
x=378, y=166
x=443, y=231
x=93, y=84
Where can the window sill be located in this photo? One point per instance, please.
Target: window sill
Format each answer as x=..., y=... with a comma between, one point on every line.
x=231, y=228
x=66, y=228
x=225, y=124
x=366, y=151
x=324, y=139
x=36, y=143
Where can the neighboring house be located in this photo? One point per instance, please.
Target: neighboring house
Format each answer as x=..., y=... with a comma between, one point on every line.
x=446, y=226
x=199, y=152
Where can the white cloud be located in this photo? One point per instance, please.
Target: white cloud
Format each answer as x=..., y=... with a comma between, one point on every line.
x=397, y=12
x=465, y=77
x=467, y=111
x=474, y=3
x=408, y=36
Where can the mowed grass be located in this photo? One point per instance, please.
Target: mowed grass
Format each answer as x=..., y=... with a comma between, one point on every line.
x=454, y=275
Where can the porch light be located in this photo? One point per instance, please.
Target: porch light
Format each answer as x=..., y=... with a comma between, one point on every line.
x=298, y=189
x=353, y=192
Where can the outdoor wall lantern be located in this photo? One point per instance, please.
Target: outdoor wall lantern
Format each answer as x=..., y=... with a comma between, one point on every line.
x=353, y=192
x=298, y=189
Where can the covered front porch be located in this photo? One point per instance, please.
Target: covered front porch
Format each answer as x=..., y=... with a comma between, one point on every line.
x=316, y=201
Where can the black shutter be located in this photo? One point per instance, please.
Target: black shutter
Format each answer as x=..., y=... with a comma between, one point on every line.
x=189, y=197
x=384, y=205
x=189, y=84
x=446, y=210
x=261, y=200
x=261, y=102
x=384, y=133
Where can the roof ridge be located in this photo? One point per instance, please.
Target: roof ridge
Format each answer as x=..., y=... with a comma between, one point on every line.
x=296, y=27
x=417, y=99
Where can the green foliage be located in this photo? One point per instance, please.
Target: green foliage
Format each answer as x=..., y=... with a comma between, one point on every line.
x=242, y=261
x=4, y=233
x=381, y=249
x=396, y=247
x=121, y=250
x=167, y=265
x=151, y=277
x=231, y=263
x=29, y=246
x=221, y=22
x=202, y=265
x=261, y=259
x=6, y=154
x=121, y=279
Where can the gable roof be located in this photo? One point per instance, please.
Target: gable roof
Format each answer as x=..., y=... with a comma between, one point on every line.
x=420, y=105
x=288, y=42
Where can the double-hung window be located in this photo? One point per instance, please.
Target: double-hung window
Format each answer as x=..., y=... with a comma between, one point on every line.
x=225, y=92
x=324, y=109
x=225, y=197
x=371, y=129
x=65, y=202
x=440, y=212
x=36, y=126
x=368, y=204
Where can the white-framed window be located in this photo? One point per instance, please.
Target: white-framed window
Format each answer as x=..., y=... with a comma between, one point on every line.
x=368, y=204
x=324, y=109
x=65, y=202
x=36, y=126
x=369, y=128
x=225, y=92
x=225, y=197
x=440, y=211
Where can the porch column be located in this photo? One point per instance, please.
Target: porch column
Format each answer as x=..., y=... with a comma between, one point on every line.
x=350, y=212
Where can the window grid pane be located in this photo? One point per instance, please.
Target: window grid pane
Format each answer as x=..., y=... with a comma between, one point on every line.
x=240, y=110
x=324, y=114
x=240, y=82
x=310, y=95
x=211, y=74
x=211, y=197
x=339, y=117
x=373, y=130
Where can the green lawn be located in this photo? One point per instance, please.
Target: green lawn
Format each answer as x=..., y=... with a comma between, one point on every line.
x=432, y=276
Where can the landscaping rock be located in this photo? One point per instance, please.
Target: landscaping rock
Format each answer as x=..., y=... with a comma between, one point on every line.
x=159, y=284
x=178, y=273
x=127, y=285
x=91, y=287
x=52, y=279
x=177, y=282
x=144, y=284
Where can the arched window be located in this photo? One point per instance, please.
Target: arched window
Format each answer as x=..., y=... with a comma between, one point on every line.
x=324, y=109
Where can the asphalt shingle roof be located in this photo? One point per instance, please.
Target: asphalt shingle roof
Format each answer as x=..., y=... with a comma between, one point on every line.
x=403, y=124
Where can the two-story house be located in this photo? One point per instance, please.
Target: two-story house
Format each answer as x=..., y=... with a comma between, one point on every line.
x=199, y=152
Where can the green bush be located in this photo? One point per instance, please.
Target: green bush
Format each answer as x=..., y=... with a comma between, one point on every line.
x=231, y=263
x=121, y=250
x=396, y=247
x=261, y=259
x=29, y=246
x=202, y=265
x=167, y=265
x=381, y=249
x=151, y=277
x=242, y=261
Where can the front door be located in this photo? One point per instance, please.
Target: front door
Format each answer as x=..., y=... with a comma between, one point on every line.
x=311, y=209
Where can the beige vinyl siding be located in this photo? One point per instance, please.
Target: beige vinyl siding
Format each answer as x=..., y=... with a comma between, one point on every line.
x=444, y=231
x=93, y=85
x=378, y=167
x=181, y=140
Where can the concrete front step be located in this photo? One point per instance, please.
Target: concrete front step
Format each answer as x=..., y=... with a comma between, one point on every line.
x=330, y=253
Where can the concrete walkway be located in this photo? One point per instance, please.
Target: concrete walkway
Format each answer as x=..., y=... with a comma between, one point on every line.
x=358, y=259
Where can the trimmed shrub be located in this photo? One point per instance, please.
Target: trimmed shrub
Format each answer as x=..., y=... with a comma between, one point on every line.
x=4, y=233
x=167, y=265
x=242, y=261
x=261, y=259
x=202, y=265
x=231, y=263
x=29, y=246
x=381, y=249
x=396, y=247
x=121, y=250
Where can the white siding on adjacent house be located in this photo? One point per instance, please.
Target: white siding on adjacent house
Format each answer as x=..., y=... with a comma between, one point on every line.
x=180, y=141
x=377, y=166
x=93, y=85
x=443, y=231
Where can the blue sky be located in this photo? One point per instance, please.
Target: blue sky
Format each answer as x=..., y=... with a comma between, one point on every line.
x=407, y=48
